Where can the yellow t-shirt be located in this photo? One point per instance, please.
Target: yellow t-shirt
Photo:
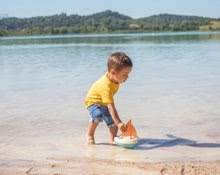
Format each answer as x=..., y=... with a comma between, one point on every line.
x=101, y=92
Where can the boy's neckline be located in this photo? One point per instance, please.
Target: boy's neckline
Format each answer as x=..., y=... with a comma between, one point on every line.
x=109, y=78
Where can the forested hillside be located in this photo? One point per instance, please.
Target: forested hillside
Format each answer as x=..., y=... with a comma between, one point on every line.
x=104, y=22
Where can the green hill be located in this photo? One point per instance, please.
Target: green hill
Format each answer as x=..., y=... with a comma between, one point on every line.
x=104, y=22
x=168, y=22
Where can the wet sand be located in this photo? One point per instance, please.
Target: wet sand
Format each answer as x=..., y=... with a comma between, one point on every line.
x=51, y=147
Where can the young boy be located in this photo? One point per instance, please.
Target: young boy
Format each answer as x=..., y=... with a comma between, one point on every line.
x=99, y=100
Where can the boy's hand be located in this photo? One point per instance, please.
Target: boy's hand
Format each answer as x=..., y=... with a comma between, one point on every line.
x=122, y=127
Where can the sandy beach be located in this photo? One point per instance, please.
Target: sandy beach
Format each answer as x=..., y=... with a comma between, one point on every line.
x=69, y=166
x=53, y=147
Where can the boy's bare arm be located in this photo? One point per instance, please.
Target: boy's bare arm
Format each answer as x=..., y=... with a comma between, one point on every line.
x=115, y=117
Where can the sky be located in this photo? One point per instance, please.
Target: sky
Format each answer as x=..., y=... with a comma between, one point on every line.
x=132, y=8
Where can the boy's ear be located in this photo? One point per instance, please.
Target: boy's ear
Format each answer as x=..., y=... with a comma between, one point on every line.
x=112, y=71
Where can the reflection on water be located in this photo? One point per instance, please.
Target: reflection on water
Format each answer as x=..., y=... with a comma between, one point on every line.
x=113, y=38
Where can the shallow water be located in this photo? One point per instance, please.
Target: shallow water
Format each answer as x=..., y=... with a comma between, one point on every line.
x=173, y=89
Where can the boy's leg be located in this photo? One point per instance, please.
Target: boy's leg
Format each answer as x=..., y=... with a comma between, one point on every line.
x=90, y=133
x=113, y=133
x=113, y=129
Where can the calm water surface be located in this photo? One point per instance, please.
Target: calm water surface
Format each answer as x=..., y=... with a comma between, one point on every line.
x=175, y=79
x=174, y=90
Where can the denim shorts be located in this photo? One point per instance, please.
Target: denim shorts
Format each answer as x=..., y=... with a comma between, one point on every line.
x=98, y=113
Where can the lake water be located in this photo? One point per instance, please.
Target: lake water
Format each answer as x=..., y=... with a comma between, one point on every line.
x=174, y=87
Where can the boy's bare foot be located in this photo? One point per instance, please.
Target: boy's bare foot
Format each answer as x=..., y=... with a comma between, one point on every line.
x=112, y=143
x=90, y=140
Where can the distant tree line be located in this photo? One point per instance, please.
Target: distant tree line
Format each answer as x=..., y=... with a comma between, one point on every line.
x=104, y=22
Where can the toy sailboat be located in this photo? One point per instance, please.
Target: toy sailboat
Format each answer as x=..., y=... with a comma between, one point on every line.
x=129, y=138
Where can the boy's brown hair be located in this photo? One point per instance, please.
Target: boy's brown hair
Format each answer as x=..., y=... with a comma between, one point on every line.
x=119, y=60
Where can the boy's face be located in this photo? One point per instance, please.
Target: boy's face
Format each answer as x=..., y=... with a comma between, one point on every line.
x=122, y=75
